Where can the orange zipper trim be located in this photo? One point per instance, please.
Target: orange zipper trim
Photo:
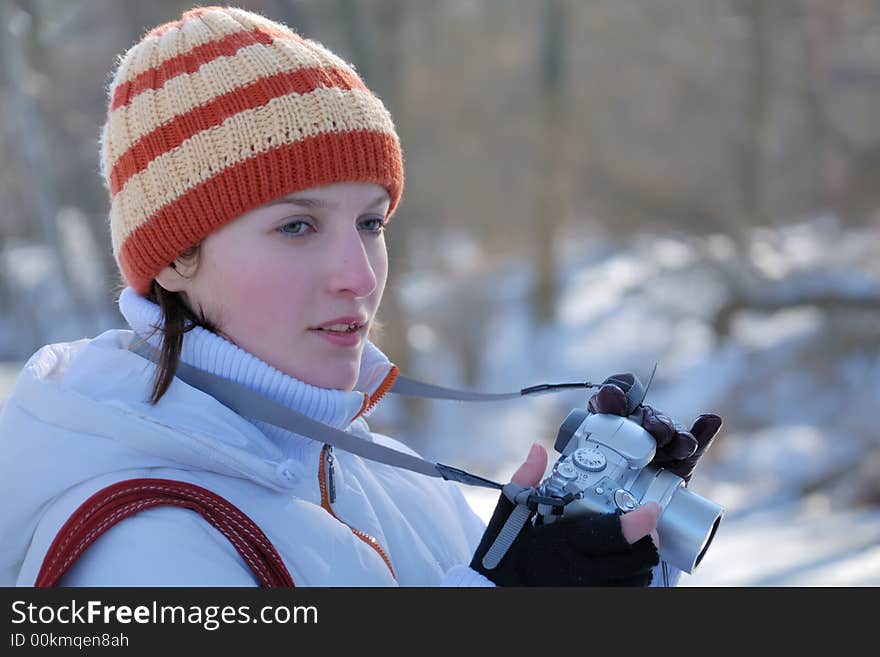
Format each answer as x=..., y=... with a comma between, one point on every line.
x=325, y=503
x=371, y=400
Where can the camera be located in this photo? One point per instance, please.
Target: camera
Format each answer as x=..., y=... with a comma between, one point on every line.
x=604, y=468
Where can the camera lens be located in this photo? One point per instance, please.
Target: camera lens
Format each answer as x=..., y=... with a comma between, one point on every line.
x=708, y=542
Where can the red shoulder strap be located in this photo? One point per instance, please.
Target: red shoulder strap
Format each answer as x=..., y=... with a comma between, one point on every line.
x=116, y=502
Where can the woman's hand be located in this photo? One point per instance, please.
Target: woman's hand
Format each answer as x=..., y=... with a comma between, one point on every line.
x=678, y=450
x=580, y=550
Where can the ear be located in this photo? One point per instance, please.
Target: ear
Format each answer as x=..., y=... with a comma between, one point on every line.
x=170, y=279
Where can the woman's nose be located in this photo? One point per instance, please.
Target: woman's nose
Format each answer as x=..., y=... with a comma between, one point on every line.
x=350, y=267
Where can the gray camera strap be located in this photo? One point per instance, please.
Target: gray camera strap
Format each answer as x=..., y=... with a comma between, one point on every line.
x=251, y=404
x=412, y=388
x=521, y=514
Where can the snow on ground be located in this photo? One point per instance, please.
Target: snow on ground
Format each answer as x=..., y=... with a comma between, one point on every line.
x=800, y=543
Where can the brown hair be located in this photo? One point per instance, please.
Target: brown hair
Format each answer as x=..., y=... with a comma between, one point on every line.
x=178, y=318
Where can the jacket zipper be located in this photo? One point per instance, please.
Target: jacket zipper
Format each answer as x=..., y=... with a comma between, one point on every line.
x=371, y=400
x=328, y=495
x=331, y=483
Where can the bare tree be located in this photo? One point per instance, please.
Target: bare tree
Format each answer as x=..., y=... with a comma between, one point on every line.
x=554, y=167
x=759, y=18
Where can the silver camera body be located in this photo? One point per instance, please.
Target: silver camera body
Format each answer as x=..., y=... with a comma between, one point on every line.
x=604, y=467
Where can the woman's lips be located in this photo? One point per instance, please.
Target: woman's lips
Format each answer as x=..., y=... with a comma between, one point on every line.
x=341, y=339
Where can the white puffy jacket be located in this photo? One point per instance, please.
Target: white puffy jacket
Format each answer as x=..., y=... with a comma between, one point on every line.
x=78, y=421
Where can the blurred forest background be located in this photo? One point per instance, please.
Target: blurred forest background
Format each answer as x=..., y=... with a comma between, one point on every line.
x=591, y=187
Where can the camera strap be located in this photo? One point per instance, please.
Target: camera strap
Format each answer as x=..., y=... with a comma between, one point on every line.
x=253, y=405
x=526, y=501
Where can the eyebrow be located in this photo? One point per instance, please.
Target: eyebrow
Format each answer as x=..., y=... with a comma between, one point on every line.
x=317, y=202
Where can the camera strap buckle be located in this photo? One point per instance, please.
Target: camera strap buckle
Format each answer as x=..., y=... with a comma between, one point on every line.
x=527, y=501
x=550, y=505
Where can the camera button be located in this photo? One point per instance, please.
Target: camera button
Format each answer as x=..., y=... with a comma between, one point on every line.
x=625, y=500
x=566, y=471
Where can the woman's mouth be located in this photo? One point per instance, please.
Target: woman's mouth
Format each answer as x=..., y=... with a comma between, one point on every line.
x=341, y=335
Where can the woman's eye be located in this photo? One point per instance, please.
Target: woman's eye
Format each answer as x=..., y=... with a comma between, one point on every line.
x=374, y=225
x=293, y=228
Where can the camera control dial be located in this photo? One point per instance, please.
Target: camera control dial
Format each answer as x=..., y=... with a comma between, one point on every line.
x=589, y=459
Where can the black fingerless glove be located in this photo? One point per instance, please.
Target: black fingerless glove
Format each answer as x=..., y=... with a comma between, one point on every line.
x=585, y=550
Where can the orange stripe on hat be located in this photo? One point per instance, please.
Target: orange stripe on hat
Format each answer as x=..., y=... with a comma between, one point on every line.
x=368, y=157
x=190, y=62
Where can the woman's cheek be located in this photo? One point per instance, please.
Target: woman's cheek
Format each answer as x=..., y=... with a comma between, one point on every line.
x=380, y=269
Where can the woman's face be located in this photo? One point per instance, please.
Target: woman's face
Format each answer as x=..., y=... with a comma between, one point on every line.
x=278, y=272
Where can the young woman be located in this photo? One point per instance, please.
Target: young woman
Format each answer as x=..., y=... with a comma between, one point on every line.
x=251, y=175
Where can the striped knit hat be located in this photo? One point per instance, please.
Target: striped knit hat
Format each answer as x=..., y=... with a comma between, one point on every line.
x=217, y=113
